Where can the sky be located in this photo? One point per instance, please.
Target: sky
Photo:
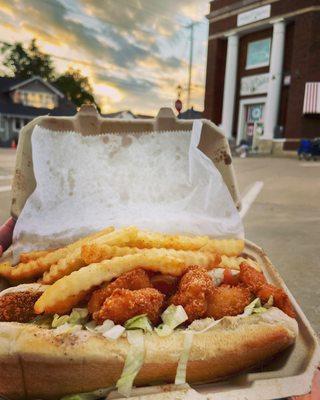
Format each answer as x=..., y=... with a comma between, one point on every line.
x=135, y=52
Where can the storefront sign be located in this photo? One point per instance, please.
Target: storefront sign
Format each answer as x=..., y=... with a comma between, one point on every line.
x=254, y=84
x=251, y=16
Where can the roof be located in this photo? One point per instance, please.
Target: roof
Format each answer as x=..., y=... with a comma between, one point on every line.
x=190, y=114
x=36, y=78
x=125, y=114
x=7, y=106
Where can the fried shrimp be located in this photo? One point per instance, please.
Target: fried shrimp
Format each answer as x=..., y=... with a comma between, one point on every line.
x=280, y=298
x=18, y=306
x=193, y=293
x=228, y=300
x=258, y=285
x=132, y=280
x=251, y=277
x=124, y=304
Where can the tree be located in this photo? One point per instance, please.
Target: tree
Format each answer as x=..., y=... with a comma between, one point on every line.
x=28, y=62
x=25, y=63
x=76, y=87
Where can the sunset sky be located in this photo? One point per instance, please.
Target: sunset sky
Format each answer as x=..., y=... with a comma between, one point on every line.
x=135, y=52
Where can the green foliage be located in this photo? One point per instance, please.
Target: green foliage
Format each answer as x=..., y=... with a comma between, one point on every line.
x=76, y=87
x=25, y=63
x=28, y=62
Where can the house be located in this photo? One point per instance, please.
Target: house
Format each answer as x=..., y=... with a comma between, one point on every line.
x=21, y=100
x=191, y=113
x=263, y=71
x=125, y=114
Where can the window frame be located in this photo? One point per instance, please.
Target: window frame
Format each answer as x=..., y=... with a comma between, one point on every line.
x=35, y=99
x=261, y=64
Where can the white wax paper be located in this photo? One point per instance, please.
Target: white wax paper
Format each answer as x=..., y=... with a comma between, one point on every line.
x=156, y=181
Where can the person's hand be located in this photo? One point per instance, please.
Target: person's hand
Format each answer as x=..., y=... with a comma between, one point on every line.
x=315, y=390
x=6, y=231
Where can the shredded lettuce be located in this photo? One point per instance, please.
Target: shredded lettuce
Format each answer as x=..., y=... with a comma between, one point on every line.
x=133, y=362
x=107, y=325
x=202, y=324
x=174, y=316
x=183, y=361
x=163, y=330
x=139, y=322
x=217, y=275
x=269, y=303
x=256, y=303
x=59, y=321
x=114, y=333
x=259, y=310
x=78, y=315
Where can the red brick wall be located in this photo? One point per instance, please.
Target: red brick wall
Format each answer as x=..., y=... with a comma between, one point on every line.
x=278, y=8
x=301, y=61
x=305, y=67
x=217, y=50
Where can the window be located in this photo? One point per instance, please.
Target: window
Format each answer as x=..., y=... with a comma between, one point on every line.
x=258, y=53
x=37, y=99
x=17, y=124
x=1, y=123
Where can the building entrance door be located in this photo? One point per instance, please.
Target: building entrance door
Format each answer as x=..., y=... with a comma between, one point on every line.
x=254, y=124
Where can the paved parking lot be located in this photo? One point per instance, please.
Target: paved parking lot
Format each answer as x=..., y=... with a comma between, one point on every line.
x=284, y=219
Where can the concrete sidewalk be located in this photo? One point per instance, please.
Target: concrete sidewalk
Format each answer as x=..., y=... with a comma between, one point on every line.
x=285, y=221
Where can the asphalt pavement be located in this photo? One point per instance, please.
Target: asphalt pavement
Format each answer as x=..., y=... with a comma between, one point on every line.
x=284, y=218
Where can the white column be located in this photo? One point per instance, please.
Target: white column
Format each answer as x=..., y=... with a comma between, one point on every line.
x=275, y=79
x=230, y=80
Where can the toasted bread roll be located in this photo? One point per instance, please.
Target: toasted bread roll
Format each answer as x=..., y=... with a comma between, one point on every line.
x=55, y=365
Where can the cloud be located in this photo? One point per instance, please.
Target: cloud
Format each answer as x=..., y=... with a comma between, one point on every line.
x=136, y=46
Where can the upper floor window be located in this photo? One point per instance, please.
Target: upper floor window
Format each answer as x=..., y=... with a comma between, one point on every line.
x=258, y=53
x=35, y=99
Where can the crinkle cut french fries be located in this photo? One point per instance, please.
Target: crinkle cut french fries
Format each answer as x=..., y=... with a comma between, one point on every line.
x=102, y=256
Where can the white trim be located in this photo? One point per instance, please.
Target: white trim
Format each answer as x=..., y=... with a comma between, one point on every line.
x=241, y=114
x=230, y=84
x=34, y=78
x=256, y=66
x=257, y=26
x=212, y=17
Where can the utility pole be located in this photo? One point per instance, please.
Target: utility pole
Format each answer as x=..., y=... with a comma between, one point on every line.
x=191, y=27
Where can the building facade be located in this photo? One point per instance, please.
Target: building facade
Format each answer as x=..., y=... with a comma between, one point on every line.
x=21, y=100
x=263, y=71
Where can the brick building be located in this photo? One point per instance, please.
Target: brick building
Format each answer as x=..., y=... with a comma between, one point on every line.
x=263, y=71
